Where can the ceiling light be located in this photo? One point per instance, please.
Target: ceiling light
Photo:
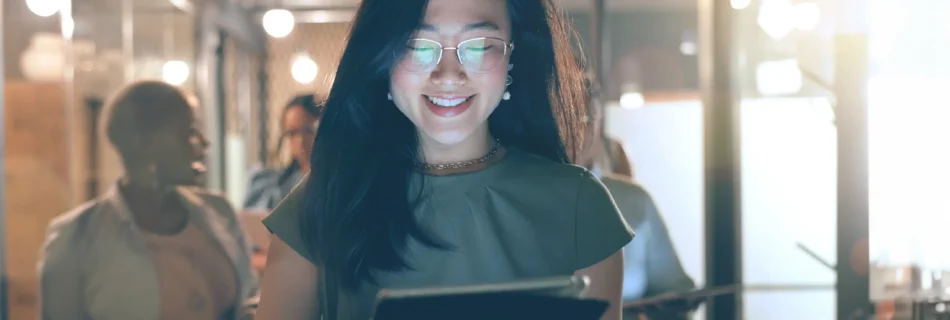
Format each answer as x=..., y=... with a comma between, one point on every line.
x=278, y=23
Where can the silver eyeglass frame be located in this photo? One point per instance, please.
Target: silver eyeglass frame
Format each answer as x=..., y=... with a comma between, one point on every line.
x=509, y=47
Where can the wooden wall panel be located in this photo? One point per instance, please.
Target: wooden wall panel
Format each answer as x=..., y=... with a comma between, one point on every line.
x=37, y=182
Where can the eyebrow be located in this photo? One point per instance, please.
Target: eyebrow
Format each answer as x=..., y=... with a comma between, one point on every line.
x=469, y=27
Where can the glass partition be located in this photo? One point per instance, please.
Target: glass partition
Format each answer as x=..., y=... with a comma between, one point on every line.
x=66, y=59
x=909, y=144
x=789, y=157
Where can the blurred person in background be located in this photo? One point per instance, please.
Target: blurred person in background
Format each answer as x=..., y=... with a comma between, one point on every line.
x=154, y=246
x=651, y=265
x=299, y=122
x=267, y=187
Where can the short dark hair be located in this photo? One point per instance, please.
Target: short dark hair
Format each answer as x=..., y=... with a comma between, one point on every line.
x=141, y=109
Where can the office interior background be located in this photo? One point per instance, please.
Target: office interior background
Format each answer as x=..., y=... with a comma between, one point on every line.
x=241, y=60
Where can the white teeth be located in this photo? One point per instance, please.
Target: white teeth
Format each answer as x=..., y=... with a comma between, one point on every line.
x=446, y=102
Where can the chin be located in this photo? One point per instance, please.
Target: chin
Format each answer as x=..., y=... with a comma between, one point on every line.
x=448, y=137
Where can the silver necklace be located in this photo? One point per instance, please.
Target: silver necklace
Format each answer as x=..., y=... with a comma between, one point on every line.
x=461, y=164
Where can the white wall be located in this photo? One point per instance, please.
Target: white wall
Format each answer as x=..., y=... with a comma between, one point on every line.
x=788, y=194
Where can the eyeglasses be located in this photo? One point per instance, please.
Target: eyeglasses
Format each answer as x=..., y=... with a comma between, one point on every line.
x=476, y=55
x=305, y=131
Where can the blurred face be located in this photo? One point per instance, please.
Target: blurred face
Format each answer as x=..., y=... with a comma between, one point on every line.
x=453, y=73
x=178, y=151
x=300, y=129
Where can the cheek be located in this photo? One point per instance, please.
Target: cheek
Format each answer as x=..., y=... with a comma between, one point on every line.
x=166, y=154
x=303, y=141
x=497, y=77
x=405, y=89
x=491, y=83
x=403, y=84
x=498, y=81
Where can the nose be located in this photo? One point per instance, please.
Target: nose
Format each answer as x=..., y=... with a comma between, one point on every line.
x=449, y=72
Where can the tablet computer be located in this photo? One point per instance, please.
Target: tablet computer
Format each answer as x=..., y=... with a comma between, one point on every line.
x=687, y=299
x=568, y=287
x=545, y=298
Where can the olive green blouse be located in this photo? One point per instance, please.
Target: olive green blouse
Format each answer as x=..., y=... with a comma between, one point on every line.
x=522, y=217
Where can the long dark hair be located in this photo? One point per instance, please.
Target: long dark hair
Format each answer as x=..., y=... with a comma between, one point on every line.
x=358, y=214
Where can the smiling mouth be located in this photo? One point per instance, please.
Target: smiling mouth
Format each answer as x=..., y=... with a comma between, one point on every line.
x=448, y=102
x=199, y=167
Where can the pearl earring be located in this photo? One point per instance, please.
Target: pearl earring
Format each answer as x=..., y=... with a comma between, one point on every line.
x=389, y=96
x=508, y=81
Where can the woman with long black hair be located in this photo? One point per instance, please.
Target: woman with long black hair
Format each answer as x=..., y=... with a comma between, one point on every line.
x=443, y=158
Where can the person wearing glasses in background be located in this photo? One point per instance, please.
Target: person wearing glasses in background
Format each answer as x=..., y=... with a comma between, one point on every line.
x=299, y=121
x=651, y=265
x=267, y=187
